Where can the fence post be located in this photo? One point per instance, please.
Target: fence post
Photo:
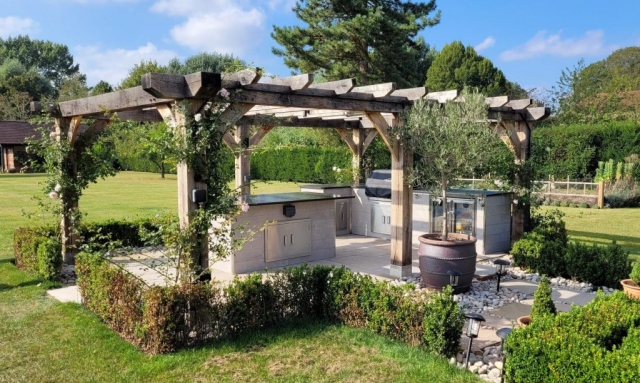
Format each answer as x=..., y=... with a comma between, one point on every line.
x=601, y=194
x=568, y=180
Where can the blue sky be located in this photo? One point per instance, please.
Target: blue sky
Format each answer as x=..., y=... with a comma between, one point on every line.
x=531, y=42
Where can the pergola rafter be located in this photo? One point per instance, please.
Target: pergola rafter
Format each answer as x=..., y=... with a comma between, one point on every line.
x=358, y=113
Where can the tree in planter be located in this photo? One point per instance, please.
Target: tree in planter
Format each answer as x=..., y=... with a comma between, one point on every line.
x=448, y=141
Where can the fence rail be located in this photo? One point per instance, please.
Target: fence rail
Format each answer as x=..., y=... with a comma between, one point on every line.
x=551, y=187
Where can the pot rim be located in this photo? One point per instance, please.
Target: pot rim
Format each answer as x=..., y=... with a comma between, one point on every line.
x=629, y=283
x=434, y=239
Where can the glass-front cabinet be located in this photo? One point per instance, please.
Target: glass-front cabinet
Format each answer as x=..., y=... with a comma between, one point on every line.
x=461, y=217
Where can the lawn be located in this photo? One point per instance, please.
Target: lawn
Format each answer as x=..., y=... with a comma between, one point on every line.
x=42, y=340
x=601, y=226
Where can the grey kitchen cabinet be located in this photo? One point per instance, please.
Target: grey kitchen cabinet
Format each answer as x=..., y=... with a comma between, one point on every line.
x=289, y=239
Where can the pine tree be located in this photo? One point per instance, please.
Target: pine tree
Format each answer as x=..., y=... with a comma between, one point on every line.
x=457, y=66
x=372, y=41
x=542, y=301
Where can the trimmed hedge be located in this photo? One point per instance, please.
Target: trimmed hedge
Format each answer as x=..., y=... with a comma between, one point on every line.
x=576, y=149
x=314, y=164
x=38, y=249
x=599, y=342
x=547, y=251
x=165, y=319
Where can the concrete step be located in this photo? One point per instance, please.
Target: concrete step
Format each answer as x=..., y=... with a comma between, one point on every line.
x=66, y=294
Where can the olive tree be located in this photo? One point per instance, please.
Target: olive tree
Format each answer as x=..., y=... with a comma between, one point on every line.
x=448, y=140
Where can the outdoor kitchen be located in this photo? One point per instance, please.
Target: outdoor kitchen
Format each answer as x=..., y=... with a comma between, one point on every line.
x=484, y=214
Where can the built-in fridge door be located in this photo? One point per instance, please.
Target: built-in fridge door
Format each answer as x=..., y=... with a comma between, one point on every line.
x=462, y=219
x=461, y=216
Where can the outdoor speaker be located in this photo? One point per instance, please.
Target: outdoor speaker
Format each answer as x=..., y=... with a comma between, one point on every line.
x=199, y=196
x=289, y=211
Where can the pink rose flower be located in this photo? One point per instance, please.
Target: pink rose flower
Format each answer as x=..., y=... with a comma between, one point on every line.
x=53, y=195
x=245, y=207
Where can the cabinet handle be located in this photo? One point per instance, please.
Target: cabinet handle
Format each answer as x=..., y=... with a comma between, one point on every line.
x=292, y=239
x=285, y=240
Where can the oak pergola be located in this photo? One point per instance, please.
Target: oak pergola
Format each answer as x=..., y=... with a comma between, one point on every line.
x=357, y=113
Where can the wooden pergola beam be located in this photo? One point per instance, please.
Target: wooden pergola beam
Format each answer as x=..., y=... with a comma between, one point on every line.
x=297, y=122
x=195, y=85
x=127, y=99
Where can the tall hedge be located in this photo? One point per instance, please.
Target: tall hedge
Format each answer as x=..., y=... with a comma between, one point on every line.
x=575, y=150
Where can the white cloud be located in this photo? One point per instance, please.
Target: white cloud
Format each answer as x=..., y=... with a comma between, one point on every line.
x=591, y=44
x=14, y=26
x=224, y=26
x=486, y=43
x=114, y=65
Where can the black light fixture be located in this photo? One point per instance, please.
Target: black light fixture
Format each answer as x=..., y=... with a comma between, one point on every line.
x=454, y=277
x=473, y=328
x=501, y=269
x=503, y=333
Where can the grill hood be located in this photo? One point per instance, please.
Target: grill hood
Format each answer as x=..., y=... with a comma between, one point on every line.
x=378, y=184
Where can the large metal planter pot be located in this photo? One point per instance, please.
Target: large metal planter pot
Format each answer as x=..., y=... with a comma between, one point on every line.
x=436, y=257
x=631, y=289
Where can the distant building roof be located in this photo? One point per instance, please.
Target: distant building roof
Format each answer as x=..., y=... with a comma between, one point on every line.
x=15, y=132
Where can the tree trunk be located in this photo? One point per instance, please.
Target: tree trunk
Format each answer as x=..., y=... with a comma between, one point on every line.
x=162, y=169
x=445, y=212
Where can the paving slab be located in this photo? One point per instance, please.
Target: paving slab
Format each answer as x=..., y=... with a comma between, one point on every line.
x=512, y=311
x=496, y=322
x=572, y=297
x=484, y=272
x=66, y=294
x=521, y=285
x=486, y=338
x=491, y=257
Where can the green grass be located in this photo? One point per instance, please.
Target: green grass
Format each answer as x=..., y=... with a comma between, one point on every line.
x=601, y=226
x=42, y=340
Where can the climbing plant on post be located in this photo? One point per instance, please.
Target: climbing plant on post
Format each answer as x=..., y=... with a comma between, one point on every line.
x=73, y=156
x=199, y=127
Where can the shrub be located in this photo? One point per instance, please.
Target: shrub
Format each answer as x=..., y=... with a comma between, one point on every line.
x=544, y=256
x=564, y=204
x=598, y=342
x=555, y=203
x=600, y=265
x=543, y=249
x=164, y=319
x=584, y=205
x=25, y=244
x=542, y=301
x=93, y=237
x=49, y=259
x=635, y=273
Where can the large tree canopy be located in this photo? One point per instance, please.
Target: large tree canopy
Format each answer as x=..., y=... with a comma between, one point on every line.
x=602, y=91
x=373, y=41
x=51, y=60
x=457, y=66
x=206, y=62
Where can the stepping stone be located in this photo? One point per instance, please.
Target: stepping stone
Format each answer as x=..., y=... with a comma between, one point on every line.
x=521, y=285
x=512, y=311
x=484, y=272
x=570, y=296
x=66, y=294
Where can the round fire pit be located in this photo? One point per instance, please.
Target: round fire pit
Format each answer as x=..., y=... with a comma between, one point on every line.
x=437, y=257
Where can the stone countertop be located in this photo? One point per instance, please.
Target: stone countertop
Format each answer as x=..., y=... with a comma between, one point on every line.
x=282, y=198
x=326, y=186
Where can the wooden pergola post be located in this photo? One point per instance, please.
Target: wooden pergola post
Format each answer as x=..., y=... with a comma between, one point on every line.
x=401, y=256
x=243, y=160
x=67, y=129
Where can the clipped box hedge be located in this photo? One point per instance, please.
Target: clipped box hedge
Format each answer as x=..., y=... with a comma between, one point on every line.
x=164, y=319
x=599, y=342
x=38, y=250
